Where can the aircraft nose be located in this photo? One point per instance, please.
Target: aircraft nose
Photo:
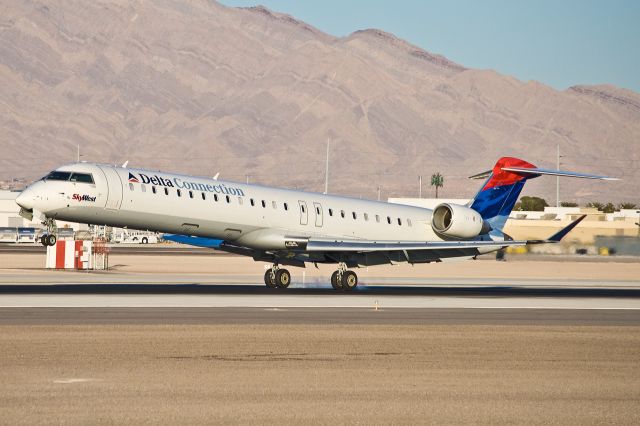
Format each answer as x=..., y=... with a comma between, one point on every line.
x=25, y=199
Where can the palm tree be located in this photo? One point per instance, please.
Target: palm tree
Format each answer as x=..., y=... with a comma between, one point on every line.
x=438, y=181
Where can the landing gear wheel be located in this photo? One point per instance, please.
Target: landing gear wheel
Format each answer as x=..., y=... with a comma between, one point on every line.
x=270, y=279
x=335, y=282
x=48, y=240
x=349, y=280
x=283, y=278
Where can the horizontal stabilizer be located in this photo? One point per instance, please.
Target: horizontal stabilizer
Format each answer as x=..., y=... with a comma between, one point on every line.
x=536, y=171
x=193, y=241
x=555, y=238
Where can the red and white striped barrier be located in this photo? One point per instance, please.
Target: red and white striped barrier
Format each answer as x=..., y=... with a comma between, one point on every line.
x=70, y=255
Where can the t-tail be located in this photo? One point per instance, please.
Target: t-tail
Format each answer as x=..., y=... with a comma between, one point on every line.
x=505, y=181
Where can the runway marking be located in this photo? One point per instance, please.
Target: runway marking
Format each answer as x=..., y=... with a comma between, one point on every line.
x=68, y=381
x=280, y=302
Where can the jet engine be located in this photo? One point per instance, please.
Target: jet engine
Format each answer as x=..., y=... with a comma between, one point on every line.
x=453, y=220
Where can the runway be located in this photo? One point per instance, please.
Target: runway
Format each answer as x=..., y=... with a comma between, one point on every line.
x=248, y=303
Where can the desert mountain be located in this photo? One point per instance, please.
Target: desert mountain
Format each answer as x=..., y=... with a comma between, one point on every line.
x=197, y=87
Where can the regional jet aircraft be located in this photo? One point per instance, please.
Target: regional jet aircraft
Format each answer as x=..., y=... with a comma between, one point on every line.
x=282, y=226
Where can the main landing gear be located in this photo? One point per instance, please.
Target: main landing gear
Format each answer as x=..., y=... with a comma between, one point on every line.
x=341, y=280
x=276, y=277
x=344, y=280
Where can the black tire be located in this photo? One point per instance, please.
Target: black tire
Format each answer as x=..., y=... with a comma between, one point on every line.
x=269, y=279
x=51, y=240
x=43, y=240
x=337, y=285
x=283, y=278
x=145, y=240
x=349, y=280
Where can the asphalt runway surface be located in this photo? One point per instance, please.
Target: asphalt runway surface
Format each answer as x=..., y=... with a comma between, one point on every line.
x=319, y=316
x=247, y=303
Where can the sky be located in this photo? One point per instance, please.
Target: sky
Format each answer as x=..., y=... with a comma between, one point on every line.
x=560, y=43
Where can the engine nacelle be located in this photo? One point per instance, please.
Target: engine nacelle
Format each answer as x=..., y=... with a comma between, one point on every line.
x=453, y=220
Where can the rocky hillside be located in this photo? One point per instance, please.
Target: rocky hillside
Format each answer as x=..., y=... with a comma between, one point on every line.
x=197, y=87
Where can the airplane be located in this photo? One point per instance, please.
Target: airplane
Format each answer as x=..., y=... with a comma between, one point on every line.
x=282, y=226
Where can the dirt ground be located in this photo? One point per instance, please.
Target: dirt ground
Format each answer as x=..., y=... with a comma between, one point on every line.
x=275, y=374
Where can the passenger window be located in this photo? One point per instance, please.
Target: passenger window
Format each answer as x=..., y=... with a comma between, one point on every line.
x=215, y=197
x=81, y=177
x=252, y=202
x=286, y=206
x=153, y=189
x=144, y=188
x=228, y=198
x=378, y=218
x=273, y=204
x=389, y=220
x=354, y=215
x=166, y=191
x=409, y=222
x=130, y=187
x=399, y=222
x=366, y=216
x=330, y=212
x=264, y=205
x=317, y=210
x=190, y=194
x=240, y=200
x=302, y=207
x=179, y=193
x=204, y=197
x=342, y=214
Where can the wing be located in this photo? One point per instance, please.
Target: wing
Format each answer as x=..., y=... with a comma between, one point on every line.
x=363, y=246
x=314, y=245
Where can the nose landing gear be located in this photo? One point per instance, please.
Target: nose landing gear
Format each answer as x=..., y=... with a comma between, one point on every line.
x=50, y=238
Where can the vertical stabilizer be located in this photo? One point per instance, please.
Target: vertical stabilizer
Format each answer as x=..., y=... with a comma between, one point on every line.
x=500, y=192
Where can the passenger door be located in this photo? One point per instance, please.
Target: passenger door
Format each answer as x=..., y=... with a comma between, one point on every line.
x=114, y=188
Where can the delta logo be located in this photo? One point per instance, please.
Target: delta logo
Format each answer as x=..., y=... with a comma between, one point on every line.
x=80, y=198
x=133, y=178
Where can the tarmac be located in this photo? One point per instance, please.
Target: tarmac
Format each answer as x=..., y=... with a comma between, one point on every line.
x=199, y=339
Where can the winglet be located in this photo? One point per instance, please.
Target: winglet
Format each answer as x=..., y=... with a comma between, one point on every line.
x=555, y=238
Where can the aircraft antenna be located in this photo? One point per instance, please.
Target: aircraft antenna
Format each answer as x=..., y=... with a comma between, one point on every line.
x=326, y=170
x=558, y=177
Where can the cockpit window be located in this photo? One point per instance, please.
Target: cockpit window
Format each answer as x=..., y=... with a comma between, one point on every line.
x=55, y=175
x=82, y=177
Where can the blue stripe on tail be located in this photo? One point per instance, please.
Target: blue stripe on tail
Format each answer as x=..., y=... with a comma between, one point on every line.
x=495, y=204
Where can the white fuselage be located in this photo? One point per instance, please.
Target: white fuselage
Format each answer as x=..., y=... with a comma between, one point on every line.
x=253, y=216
